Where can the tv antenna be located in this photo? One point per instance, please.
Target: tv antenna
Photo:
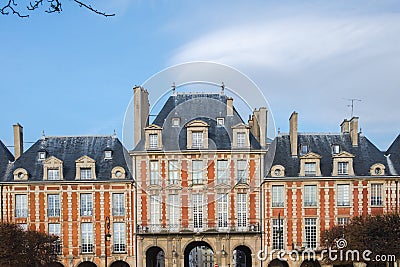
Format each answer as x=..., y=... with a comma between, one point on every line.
x=352, y=100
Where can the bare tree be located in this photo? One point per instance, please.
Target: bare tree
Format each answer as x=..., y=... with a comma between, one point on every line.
x=53, y=6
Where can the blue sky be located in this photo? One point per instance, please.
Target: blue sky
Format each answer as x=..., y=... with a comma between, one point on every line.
x=72, y=73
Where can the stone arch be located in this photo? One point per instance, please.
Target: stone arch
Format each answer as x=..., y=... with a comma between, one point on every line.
x=155, y=257
x=204, y=255
x=119, y=263
x=310, y=263
x=87, y=264
x=278, y=263
x=242, y=256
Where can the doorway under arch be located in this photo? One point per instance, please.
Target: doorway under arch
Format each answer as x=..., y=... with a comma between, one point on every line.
x=310, y=263
x=155, y=257
x=87, y=264
x=242, y=256
x=278, y=263
x=198, y=254
x=119, y=264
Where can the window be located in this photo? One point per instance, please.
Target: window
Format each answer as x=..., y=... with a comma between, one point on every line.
x=277, y=172
x=222, y=206
x=277, y=196
x=241, y=139
x=175, y=122
x=107, y=154
x=119, y=244
x=241, y=171
x=303, y=149
x=197, y=211
x=310, y=195
x=310, y=168
x=174, y=214
x=21, y=206
x=197, y=172
x=220, y=121
x=53, y=205
x=343, y=168
x=86, y=173
x=54, y=229
x=173, y=171
x=86, y=205
x=376, y=195
x=23, y=226
x=155, y=213
x=277, y=234
x=197, y=139
x=53, y=174
x=311, y=233
x=222, y=171
x=242, y=211
x=42, y=155
x=154, y=177
x=87, y=237
x=118, y=204
x=153, y=141
x=343, y=195
x=343, y=220
x=335, y=149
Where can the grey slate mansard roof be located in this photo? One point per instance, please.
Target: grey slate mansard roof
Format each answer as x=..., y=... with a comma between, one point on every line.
x=197, y=106
x=394, y=154
x=6, y=159
x=69, y=149
x=365, y=154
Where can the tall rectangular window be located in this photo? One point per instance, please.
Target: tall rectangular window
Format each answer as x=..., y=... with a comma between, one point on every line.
x=53, y=205
x=197, y=139
x=241, y=171
x=154, y=175
x=54, y=229
x=311, y=232
x=197, y=171
x=376, y=195
x=155, y=215
x=119, y=243
x=86, y=205
x=21, y=206
x=310, y=195
x=343, y=168
x=173, y=172
x=87, y=237
x=241, y=139
x=343, y=195
x=222, y=206
x=277, y=234
x=310, y=168
x=277, y=196
x=118, y=204
x=153, y=140
x=53, y=174
x=242, y=211
x=86, y=173
x=197, y=211
x=222, y=171
x=174, y=212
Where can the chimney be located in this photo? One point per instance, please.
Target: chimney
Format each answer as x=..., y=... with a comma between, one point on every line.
x=354, y=131
x=293, y=121
x=18, y=140
x=140, y=112
x=261, y=119
x=345, y=126
x=229, y=106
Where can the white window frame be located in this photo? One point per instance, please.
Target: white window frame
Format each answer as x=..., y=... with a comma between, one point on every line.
x=119, y=237
x=343, y=220
x=222, y=211
x=241, y=139
x=86, y=173
x=376, y=194
x=155, y=213
x=197, y=139
x=176, y=122
x=220, y=121
x=222, y=171
x=310, y=195
x=173, y=172
x=173, y=212
x=107, y=154
x=153, y=141
x=197, y=211
x=310, y=228
x=55, y=230
x=154, y=172
x=21, y=206
x=277, y=239
x=241, y=211
x=343, y=168
x=241, y=171
x=53, y=174
x=278, y=199
x=118, y=204
x=87, y=244
x=343, y=195
x=86, y=202
x=310, y=168
x=53, y=205
x=197, y=171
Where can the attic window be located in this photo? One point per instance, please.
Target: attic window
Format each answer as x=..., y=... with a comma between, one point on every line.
x=335, y=149
x=107, y=154
x=86, y=173
x=377, y=169
x=303, y=149
x=175, y=122
x=42, y=155
x=220, y=121
x=153, y=142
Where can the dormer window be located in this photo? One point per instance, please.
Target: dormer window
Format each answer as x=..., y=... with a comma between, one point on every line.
x=153, y=137
x=53, y=174
x=303, y=149
x=86, y=173
x=343, y=164
x=278, y=171
x=241, y=136
x=153, y=141
x=335, y=149
x=197, y=139
x=241, y=139
x=52, y=169
x=42, y=155
x=310, y=168
x=176, y=122
x=343, y=168
x=118, y=173
x=107, y=154
x=377, y=169
x=310, y=164
x=20, y=174
x=197, y=134
x=220, y=121
x=85, y=168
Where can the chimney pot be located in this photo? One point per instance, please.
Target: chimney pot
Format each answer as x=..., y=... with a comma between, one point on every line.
x=293, y=134
x=229, y=106
x=354, y=131
x=18, y=140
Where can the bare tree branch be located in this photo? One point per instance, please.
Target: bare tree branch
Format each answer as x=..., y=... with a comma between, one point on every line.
x=10, y=6
x=92, y=9
x=34, y=6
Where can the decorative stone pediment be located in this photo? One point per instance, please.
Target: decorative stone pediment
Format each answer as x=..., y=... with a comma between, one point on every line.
x=197, y=123
x=85, y=160
x=241, y=126
x=344, y=154
x=153, y=127
x=311, y=155
x=55, y=165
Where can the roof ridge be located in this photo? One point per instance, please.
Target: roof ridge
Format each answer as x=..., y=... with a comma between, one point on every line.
x=72, y=136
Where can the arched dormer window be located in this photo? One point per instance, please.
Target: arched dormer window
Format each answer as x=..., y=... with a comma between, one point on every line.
x=20, y=174
x=118, y=173
x=278, y=171
x=377, y=169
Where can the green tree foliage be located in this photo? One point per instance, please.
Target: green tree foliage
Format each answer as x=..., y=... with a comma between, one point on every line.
x=25, y=248
x=379, y=234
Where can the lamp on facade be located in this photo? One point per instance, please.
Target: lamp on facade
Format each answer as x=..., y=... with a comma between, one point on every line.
x=223, y=252
x=107, y=237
